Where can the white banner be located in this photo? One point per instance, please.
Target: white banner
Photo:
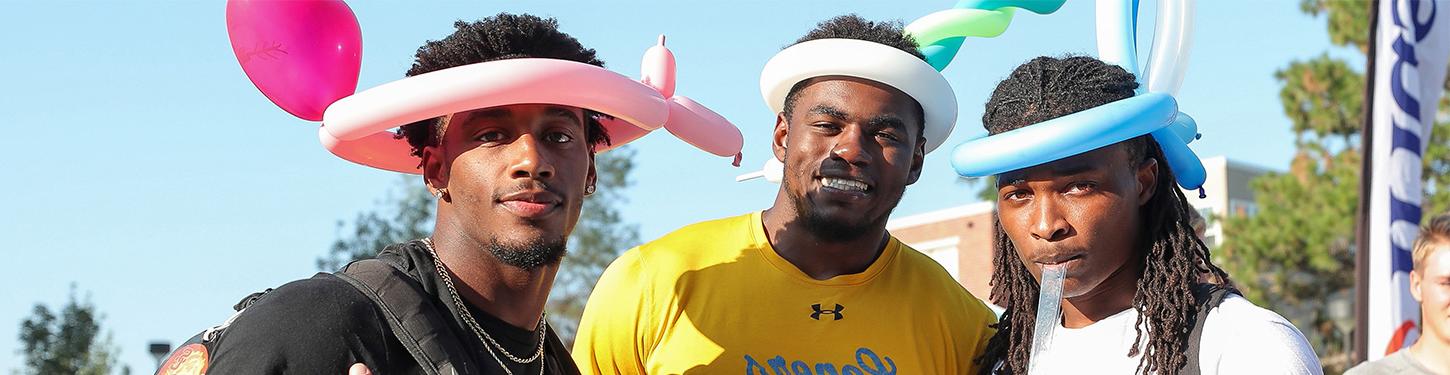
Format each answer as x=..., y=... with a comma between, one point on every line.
x=1412, y=48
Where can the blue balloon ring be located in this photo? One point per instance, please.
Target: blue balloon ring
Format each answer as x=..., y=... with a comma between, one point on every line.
x=1074, y=134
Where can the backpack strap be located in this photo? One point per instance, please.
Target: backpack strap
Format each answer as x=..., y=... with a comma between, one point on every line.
x=1207, y=297
x=417, y=324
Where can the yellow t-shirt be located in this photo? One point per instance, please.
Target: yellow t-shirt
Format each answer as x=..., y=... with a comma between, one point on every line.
x=715, y=298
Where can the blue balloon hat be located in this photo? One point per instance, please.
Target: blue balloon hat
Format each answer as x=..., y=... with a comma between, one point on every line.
x=1153, y=111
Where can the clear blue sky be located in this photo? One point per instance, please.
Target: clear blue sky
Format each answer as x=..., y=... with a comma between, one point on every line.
x=140, y=164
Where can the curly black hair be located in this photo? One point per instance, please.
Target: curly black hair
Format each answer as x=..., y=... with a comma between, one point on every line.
x=852, y=26
x=503, y=36
x=1174, y=258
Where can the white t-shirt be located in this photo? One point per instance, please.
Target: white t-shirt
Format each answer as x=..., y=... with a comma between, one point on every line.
x=1238, y=338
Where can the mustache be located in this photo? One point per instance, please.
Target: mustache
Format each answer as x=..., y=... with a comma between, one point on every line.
x=530, y=185
x=834, y=167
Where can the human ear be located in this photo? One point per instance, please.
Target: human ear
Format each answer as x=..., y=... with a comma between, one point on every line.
x=592, y=178
x=918, y=156
x=1415, y=281
x=780, y=137
x=1147, y=176
x=435, y=172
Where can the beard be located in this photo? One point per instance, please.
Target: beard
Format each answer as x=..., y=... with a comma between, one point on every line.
x=832, y=229
x=531, y=254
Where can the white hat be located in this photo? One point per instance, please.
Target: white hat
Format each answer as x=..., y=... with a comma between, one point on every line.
x=867, y=60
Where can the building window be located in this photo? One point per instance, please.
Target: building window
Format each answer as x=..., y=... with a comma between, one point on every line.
x=1242, y=208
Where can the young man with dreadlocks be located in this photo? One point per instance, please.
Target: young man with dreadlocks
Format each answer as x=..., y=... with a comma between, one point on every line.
x=1429, y=285
x=814, y=284
x=1135, y=298
x=510, y=180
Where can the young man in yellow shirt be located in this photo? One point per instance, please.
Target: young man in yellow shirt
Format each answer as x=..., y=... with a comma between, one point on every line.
x=814, y=284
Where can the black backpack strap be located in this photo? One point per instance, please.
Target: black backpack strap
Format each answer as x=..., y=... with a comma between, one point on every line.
x=1207, y=297
x=409, y=311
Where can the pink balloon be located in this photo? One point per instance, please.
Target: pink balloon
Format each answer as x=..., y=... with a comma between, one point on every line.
x=303, y=55
x=657, y=69
x=699, y=126
x=620, y=132
x=378, y=150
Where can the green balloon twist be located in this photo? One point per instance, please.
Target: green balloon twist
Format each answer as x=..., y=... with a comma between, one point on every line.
x=940, y=34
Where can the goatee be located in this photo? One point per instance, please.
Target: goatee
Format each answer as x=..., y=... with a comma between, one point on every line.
x=531, y=254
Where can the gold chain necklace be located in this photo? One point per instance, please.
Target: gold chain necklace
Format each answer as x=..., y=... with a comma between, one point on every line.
x=478, y=330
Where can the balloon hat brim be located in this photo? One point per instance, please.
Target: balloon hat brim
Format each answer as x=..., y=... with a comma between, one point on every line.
x=357, y=127
x=1071, y=135
x=865, y=60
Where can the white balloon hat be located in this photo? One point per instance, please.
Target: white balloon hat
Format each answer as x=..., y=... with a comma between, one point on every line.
x=861, y=59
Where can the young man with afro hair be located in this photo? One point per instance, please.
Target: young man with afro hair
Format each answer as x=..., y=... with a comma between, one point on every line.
x=814, y=284
x=1141, y=294
x=510, y=181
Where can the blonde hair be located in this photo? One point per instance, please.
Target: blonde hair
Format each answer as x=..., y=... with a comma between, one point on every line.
x=1433, y=234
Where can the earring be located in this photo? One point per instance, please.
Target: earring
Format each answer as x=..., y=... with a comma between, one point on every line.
x=440, y=193
x=589, y=190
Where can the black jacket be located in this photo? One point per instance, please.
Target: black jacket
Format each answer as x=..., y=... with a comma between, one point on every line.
x=323, y=325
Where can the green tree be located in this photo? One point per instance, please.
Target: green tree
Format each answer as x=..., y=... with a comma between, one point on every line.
x=71, y=343
x=1323, y=97
x=598, y=238
x=405, y=214
x=1348, y=20
x=986, y=187
x=1295, y=255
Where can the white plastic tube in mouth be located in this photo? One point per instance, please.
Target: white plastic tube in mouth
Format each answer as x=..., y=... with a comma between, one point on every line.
x=1049, y=301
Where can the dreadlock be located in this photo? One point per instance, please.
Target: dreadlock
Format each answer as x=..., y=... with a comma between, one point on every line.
x=1174, y=258
x=503, y=36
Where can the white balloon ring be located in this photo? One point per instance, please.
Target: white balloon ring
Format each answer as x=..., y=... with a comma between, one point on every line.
x=866, y=60
x=860, y=59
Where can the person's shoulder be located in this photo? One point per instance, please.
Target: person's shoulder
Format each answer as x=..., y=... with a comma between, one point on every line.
x=915, y=260
x=322, y=296
x=1397, y=363
x=1251, y=323
x=317, y=309
x=698, y=242
x=705, y=232
x=1241, y=334
x=927, y=271
x=1240, y=312
x=944, y=289
x=320, y=323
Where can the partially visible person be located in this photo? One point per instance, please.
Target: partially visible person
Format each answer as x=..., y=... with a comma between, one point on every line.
x=1200, y=226
x=1430, y=285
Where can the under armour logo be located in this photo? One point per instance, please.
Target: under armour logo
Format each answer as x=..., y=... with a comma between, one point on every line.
x=817, y=314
